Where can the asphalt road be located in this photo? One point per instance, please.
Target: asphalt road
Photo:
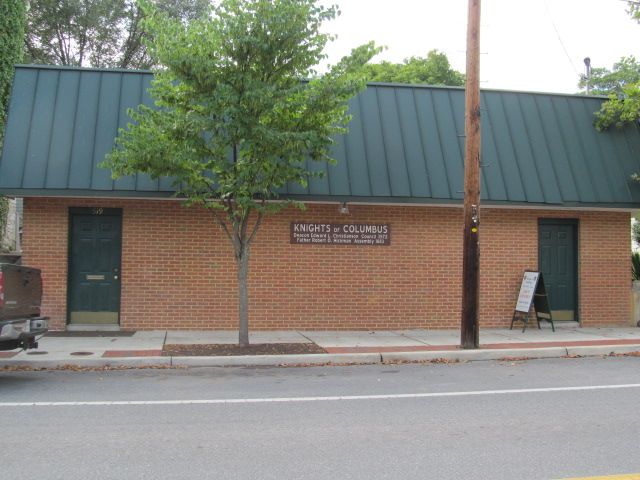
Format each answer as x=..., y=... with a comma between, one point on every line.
x=544, y=419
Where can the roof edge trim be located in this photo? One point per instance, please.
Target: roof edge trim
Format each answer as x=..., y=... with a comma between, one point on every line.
x=388, y=201
x=373, y=84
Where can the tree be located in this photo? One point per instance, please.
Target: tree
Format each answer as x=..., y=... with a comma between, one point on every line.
x=634, y=9
x=620, y=110
x=12, y=26
x=623, y=106
x=635, y=232
x=432, y=70
x=234, y=122
x=97, y=33
x=605, y=82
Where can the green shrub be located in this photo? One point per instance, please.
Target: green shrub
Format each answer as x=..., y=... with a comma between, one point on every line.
x=635, y=266
x=635, y=232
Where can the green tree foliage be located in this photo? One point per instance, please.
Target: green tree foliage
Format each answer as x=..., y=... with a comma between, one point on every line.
x=12, y=27
x=635, y=266
x=605, y=82
x=432, y=70
x=634, y=10
x=97, y=33
x=635, y=232
x=234, y=120
x=620, y=109
x=624, y=105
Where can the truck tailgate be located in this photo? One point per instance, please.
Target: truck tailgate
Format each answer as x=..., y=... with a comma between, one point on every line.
x=20, y=292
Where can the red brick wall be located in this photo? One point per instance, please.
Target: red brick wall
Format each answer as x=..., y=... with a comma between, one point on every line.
x=178, y=270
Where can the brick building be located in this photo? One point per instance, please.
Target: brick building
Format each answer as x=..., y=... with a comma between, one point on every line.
x=557, y=197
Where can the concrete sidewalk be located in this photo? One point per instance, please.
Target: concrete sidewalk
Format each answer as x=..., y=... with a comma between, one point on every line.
x=144, y=348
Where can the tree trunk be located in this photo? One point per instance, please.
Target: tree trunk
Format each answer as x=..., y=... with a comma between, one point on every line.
x=242, y=261
x=241, y=242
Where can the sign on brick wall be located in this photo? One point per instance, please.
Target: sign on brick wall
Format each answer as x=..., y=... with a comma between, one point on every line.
x=340, y=233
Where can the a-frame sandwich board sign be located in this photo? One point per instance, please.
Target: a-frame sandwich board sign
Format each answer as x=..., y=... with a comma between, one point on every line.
x=532, y=291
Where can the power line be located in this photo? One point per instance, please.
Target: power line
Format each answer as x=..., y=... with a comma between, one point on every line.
x=564, y=49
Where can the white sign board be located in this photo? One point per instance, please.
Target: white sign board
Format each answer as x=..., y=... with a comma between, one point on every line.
x=527, y=290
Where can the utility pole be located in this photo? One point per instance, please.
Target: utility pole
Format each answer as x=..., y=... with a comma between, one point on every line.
x=469, y=331
x=587, y=64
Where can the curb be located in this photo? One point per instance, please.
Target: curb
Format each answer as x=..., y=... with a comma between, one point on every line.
x=599, y=350
x=277, y=360
x=90, y=362
x=328, y=359
x=474, y=355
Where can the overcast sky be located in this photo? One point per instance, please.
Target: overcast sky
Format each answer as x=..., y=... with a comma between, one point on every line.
x=534, y=45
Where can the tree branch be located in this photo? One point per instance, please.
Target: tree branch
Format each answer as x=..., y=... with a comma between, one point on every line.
x=223, y=225
x=256, y=227
x=244, y=223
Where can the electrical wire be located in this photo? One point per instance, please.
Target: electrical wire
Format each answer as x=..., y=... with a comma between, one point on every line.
x=564, y=49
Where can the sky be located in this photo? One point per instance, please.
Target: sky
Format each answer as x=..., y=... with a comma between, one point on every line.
x=531, y=45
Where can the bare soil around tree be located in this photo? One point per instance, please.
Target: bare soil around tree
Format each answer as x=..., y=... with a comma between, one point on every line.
x=199, y=350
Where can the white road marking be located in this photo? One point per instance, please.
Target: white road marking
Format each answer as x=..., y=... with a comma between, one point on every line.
x=223, y=401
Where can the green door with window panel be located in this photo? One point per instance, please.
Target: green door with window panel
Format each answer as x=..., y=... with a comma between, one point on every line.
x=94, y=266
x=557, y=258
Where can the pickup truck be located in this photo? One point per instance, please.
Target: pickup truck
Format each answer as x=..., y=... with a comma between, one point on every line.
x=20, y=298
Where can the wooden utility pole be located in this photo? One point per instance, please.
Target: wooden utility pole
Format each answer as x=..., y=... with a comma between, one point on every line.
x=469, y=330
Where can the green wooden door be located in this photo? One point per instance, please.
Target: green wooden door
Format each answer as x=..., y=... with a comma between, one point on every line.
x=94, y=266
x=557, y=258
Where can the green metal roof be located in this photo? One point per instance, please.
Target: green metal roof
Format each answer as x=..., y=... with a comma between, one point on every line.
x=405, y=144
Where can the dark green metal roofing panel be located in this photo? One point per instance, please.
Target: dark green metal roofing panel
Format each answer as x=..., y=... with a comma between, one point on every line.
x=355, y=148
x=633, y=144
x=413, y=150
x=16, y=135
x=430, y=136
x=538, y=151
x=522, y=148
x=105, y=130
x=494, y=186
x=405, y=144
x=580, y=170
x=506, y=154
x=378, y=168
x=61, y=141
x=37, y=152
x=130, y=94
x=587, y=144
x=623, y=141
x=448, y=133
x=394, y=151
x=456, y=104
x=558, y=165
x=338, y=174
x=81, y=160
